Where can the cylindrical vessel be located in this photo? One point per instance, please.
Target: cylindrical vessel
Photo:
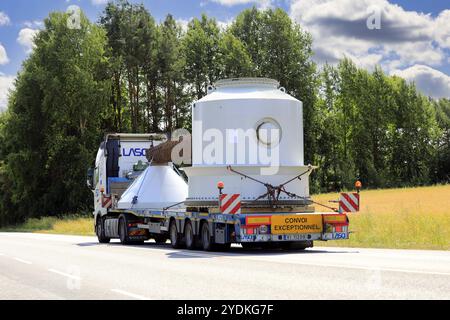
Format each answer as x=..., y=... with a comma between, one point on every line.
x=257, y=128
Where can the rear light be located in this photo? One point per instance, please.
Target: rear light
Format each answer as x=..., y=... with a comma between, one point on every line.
x=257, y=220
x=131, y=225
x=335, y=222
x=335, y=218
x=256, y=225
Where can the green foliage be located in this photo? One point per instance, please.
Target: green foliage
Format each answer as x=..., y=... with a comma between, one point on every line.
x=234, y=59
x=53, y=122
x=374, y=127
x=442, y=171
x=201, y=52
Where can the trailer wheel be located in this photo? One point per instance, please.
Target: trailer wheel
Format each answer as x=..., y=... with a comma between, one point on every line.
x=175, y=237
x=250, y=245
x=206, y=237
x=189, y=236
x=100, y=231
x=296, y=245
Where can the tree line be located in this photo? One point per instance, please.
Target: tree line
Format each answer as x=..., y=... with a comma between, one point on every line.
x=129, y=73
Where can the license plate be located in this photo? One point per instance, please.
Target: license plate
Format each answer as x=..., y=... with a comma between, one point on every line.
x=291, y=224
x=295, y=237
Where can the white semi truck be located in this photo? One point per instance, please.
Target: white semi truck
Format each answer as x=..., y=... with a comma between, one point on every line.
x=255, y=201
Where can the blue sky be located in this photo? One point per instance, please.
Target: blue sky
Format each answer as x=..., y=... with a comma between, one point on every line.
x=413, y=40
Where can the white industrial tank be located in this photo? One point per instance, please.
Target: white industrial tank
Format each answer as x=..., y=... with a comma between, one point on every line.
x=256, y=128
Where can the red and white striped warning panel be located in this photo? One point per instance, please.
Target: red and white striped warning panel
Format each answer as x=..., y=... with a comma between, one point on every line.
x=230, y=203
x=106, y=202
x=349, y=202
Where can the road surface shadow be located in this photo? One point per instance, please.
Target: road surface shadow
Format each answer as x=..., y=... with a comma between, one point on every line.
x=233, y=251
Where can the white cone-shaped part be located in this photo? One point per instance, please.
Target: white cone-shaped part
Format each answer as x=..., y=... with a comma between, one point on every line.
x=157, y=187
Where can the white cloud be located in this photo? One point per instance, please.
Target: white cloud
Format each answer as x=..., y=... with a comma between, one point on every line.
x=428, y=80
x=262, y=4
x=33, y=24
x=26, y=38
x=6, y=83
x=442, y=28
x=4, y=19
x=339, y=28
x=3, y=56
x=98, y=2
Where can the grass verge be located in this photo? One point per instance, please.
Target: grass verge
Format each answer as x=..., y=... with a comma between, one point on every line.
x=73, y=225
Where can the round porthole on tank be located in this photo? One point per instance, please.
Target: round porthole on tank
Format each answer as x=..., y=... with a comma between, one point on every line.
x=265, y=133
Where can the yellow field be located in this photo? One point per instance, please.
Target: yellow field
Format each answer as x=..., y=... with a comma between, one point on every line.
x=409, y=218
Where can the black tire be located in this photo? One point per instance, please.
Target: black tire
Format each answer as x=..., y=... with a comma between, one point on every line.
x=223, y=246
x=160, y=239
x=296, y=245
x=270, y=245
x=175, y=237
x=250, y=245
x=100, y=231
x=189, y=236
x=123, y=230
x=205, y=235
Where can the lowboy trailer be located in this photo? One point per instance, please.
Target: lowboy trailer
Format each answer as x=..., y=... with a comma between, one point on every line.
x=258, y=196
x=215, y=231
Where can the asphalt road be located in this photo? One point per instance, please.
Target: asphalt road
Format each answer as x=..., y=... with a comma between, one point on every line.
x=38, y=266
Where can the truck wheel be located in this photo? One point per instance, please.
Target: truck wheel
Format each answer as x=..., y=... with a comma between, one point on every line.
x=207, y=245
x=224, y=246
x=189, y=236
x=175, y=238
x=100, y=231
x=160, y=239
x=123, y=230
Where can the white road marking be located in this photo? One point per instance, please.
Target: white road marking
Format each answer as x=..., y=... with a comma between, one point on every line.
x=65, y=274
x=23, y=261
x=129, y=294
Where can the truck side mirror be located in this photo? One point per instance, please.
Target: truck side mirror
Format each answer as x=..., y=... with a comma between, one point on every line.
x=90, y=178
